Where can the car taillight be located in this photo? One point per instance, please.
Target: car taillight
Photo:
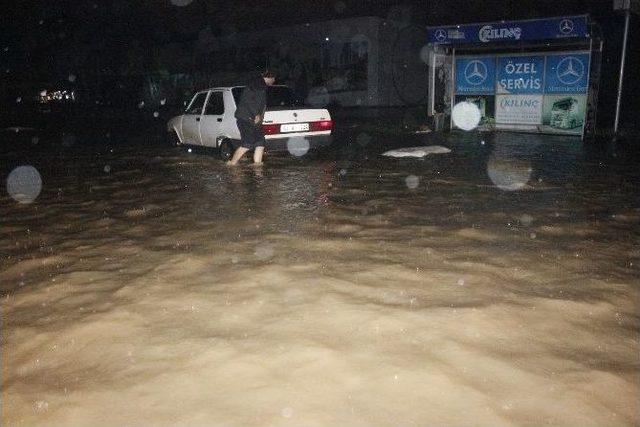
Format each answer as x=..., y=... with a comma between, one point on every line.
x=271, y=129
x=321, y=125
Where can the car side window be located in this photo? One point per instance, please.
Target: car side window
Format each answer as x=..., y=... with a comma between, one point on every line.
x=196, y=105
x=215, y=105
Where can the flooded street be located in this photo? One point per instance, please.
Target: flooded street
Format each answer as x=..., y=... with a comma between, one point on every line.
x=495, y=285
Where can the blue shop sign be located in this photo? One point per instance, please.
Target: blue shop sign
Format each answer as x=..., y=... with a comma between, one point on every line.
x=520, y=74
x=475, y=75
x=510, y=31
x=568, y=73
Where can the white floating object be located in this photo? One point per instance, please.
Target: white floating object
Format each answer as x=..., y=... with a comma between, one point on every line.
x=417, y=151
x=466, y=115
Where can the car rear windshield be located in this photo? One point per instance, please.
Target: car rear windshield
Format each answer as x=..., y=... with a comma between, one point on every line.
x=277, y=96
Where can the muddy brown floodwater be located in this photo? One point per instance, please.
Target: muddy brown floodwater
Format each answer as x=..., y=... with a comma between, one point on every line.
x=496, y=285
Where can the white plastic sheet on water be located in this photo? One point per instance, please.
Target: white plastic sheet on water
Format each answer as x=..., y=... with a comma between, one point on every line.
x=417, y=151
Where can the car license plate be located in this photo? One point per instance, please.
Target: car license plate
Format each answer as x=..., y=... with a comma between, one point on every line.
x=294, y=127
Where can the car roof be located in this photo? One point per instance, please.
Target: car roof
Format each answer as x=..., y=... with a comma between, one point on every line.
x=230, y=87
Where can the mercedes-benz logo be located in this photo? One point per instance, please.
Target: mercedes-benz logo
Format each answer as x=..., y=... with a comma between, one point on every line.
x=566, y=26
x=570, y=70
x=441, y=35
x=475, y=72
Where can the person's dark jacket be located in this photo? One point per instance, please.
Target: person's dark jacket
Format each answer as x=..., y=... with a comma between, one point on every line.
x=253, y=100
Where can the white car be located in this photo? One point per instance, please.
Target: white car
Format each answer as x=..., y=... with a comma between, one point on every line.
x=209, y=121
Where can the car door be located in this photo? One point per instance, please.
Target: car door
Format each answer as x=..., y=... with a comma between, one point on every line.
x=191, y=119
x=211, y=123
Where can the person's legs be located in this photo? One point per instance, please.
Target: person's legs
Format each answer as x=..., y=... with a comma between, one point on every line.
x=246, y=141
x=259, y=143
x=237, y=155
x=257, y=155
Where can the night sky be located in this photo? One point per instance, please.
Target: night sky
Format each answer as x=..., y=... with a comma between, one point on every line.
x=120, y=32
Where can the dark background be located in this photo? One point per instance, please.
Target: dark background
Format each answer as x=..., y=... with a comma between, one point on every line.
x=44, y=42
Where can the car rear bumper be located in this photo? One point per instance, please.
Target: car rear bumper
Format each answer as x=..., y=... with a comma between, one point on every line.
x=282, y=144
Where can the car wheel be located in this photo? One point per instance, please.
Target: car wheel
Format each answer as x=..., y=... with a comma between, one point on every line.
x=225, y=150
x=173, y=139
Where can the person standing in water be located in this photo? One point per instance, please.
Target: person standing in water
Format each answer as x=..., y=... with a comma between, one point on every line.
x=249, y=116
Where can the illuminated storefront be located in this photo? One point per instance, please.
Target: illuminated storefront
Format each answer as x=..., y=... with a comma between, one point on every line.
x=537, y=75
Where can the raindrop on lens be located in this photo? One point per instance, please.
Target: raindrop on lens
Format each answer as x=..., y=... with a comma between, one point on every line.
x=141, y=104
x=72, y=78
x=363, y=139
x=509, y=174
x=360, y=44
x=412, y=182
x=163, y=101
x=318, y=97
x=68, y=140
x=264, y=252
x=107, y=168
x=298, y=146
x=156, y=114
x=466, y=115
x=189, y=150
x=19, y=99
x=526, y=220
x=24, y=184
x=424, y=54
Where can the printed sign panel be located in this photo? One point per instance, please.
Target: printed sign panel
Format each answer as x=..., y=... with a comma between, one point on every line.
x=564, y=113
x=475, y=75
x=510, y=31
x=520, y=74
x=567, y=73
x=519, y=109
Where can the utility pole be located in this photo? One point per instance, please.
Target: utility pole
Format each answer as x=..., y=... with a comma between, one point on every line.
x=626, y=6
